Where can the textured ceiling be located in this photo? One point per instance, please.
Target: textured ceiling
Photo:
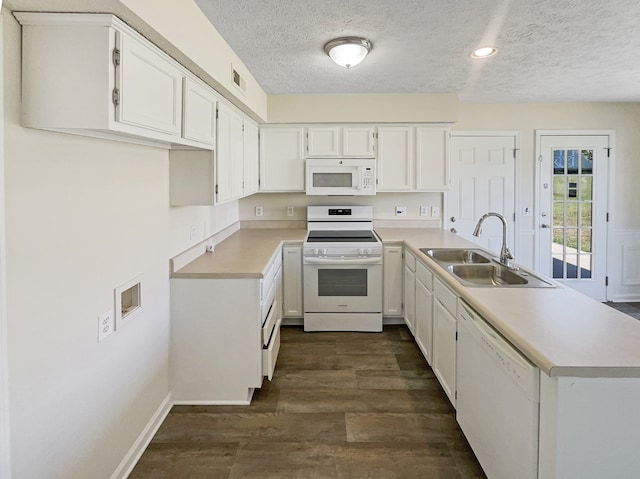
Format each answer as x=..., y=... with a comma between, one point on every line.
x=549, y=50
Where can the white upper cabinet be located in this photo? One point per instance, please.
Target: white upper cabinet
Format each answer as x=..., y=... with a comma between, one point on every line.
x=199, y=112
x=149, y=86
x=229, y=155
x=92, y=75
x=282, y=159
x=337, y=141
x=432, y=158
x=358, y=141
x=395, y=158
x=323, y=142
x=250, y=156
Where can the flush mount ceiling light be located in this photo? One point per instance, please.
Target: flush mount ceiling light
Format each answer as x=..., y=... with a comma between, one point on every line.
x=348, y=51
x=484, y=52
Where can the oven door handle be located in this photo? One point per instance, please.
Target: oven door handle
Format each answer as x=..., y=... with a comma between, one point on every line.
x=313, y=260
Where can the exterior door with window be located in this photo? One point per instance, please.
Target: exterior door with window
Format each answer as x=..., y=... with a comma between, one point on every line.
x=572, y=216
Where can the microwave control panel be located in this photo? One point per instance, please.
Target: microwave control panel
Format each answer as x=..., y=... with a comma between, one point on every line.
x=368, y=181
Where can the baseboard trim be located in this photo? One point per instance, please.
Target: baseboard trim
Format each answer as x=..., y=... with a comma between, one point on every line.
x=140, y=445
x=212, y=403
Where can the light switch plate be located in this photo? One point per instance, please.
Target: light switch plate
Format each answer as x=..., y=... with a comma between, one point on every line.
x=435, y=211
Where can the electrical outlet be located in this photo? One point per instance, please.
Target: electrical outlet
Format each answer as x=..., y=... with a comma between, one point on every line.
x=290, y=210
x=435, y=211
x=259, y=211
x=106, y=325
x=401, y=211
x=424, y=211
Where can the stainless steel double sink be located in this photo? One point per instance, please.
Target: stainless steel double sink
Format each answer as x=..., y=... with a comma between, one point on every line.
x=475, y=267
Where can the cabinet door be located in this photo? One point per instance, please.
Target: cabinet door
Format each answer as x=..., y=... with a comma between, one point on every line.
x=292, y=282
x=395, y=158
x=150, y=88
x=409, y=298
x=424, y=320
x=432, y=158
x=199, y=112
x=229, y=160
x=323, y=142
x=392, y=281
x=282, y=159
x=444, y=349
x=358, y=141
x=250, y=154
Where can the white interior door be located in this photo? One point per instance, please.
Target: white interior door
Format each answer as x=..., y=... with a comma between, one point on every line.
x=572, y=215
x=482, y=180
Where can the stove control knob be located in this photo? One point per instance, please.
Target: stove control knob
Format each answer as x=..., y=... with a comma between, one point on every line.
x=360, y=250
x=325, y=251
x=316, y=251
x=369, y=251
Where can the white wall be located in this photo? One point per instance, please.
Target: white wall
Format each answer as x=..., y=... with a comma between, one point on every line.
x=82, y=216
x=5, y=456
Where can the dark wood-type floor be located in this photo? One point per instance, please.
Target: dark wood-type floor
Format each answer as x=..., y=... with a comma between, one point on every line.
x=341, y=405
x=632, y=309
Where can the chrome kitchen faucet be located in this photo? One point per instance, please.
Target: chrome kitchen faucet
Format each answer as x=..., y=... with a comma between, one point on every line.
x=506, y=257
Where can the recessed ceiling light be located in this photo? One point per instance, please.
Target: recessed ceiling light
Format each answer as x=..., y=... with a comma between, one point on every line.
x=484, y=52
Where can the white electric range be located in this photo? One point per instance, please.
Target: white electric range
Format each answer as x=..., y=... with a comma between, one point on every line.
x=342, y=266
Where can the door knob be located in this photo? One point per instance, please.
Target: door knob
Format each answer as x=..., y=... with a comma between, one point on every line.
x=545, y=226
x=453, y=230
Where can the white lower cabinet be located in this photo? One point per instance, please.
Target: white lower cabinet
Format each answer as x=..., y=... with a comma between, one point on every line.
x=292, y=306
x=424, y=311
x=225, y=336
x=444, y=338
x=393, y=269
x=409, y=290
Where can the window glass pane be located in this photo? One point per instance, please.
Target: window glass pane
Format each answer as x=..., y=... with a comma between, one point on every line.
x=571, y=238
x=572, y=213
x=585, y=240
x=558, y=266
x=572, y=161
x=572, y=265
x=558, y=213
x=342, y=180
x=559, y=183
x=586, y=188
x=586, y=214
x=558, y=239
x=587, y=161
x=585, y=266
x=342, y=282
x=558, y=162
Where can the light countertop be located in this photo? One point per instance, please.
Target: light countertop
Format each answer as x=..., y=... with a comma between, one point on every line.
x=245, y=254
x=560, y=330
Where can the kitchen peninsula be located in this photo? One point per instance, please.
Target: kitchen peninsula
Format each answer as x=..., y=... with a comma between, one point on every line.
x=587, y=352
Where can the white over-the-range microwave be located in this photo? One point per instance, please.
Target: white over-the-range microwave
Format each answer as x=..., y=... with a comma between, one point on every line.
x=341, y=176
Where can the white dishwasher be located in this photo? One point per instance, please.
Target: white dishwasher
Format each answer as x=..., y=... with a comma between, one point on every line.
x=498, y=394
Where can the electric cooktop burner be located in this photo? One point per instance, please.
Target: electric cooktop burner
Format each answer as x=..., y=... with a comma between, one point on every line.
x=342, y=236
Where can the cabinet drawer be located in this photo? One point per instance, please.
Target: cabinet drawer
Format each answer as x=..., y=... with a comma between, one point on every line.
x=269, y=323
x=409, y=260
x=266, y=303
x=270, y=353
x=447, y=298
x=424, y=275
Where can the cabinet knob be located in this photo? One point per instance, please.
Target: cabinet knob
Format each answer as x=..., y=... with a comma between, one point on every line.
x=453, y=219
x=453, y=230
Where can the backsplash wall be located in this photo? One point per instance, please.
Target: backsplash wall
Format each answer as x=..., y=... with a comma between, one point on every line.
x=275, y=205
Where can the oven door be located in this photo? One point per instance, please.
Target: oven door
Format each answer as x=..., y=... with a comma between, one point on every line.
x=343, y=286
